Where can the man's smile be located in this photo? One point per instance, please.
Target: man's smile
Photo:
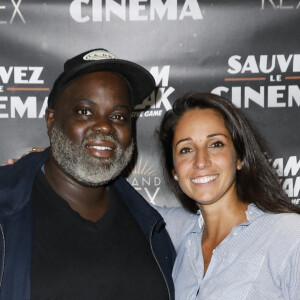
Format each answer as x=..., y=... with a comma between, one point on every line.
x=100, y=148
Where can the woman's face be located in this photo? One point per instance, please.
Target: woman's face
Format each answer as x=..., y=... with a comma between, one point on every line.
x=205, y=160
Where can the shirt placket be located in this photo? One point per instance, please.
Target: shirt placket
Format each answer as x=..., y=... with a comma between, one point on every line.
x=215, y=262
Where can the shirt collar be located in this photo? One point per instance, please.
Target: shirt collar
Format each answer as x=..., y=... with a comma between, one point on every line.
x=252, y=213
x=199, y=223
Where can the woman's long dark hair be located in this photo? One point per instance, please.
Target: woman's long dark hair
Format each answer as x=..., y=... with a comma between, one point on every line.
x=256, y=182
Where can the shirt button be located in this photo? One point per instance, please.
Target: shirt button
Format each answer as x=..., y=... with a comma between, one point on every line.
x=235, y=233
x=250, y=212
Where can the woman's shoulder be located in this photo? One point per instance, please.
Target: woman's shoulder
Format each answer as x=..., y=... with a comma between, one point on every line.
x=282, y=221
x=281, y=228
x=285, y=219
x=288, y=222
x=285, y=234
x=179, y=222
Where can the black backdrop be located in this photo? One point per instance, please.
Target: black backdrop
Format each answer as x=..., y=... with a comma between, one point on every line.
x=248, y=51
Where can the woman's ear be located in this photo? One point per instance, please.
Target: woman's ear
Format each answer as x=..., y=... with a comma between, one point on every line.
x=239, y=164
x=174, y=175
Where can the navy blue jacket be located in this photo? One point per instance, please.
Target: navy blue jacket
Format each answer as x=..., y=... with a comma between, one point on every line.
x=16, y=226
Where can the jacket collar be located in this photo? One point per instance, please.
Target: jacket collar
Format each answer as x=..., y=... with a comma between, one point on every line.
x=16, y=182
x=144, y=213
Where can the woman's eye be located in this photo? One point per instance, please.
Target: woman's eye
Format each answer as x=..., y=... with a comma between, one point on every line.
x=84, y=112
x=217, y=144
x=185, y=150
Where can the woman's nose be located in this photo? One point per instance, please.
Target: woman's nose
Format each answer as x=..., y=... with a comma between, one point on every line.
x=201, y=159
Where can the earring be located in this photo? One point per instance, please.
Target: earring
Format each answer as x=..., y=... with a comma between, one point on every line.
x=175, y=177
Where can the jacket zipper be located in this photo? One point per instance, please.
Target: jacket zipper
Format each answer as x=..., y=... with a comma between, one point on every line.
x=151, y=234
x=3, y=256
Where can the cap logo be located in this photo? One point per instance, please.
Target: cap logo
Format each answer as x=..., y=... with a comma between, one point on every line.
x=99, y=55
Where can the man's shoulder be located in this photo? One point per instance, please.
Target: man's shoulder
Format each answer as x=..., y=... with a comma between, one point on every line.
x=16, y=181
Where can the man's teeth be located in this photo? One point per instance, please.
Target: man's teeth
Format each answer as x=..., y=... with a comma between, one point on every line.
x=101, y=148
x=204, y=179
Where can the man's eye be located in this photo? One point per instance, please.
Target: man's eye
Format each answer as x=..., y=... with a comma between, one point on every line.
x=216, y=145
x=118, y=117
x=84, y=112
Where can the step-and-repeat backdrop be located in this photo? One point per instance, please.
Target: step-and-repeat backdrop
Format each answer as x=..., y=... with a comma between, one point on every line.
x=247, y=51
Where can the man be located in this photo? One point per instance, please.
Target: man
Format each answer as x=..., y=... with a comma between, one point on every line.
x=71, y=226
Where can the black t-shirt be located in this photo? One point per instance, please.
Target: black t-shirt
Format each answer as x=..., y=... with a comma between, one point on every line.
x=74, y=258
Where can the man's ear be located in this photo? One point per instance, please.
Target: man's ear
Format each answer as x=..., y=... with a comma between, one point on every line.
x=49, y=116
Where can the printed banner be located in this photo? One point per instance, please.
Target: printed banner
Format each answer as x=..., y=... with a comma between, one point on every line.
x=247, y=51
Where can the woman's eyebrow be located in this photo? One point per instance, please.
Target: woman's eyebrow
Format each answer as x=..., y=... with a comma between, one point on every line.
x=208, y=136
x=216, y=134
x=183, y=140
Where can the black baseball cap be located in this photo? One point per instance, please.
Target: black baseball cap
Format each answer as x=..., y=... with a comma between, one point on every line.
x=140, y=81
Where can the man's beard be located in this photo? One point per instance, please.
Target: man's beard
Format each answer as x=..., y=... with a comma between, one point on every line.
x=80, y=165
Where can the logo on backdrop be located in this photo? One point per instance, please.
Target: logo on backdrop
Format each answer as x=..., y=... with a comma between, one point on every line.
x=274, y=81
x=144, y=179
x=14, y=6
x=134, y=10
x=288, y=171
x=280, y=4
x=158, y=102
x=25, y=80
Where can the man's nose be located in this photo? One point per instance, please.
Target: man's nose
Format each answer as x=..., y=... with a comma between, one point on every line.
x=103, y=126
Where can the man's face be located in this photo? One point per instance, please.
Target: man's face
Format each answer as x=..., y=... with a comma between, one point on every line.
x=90, y=128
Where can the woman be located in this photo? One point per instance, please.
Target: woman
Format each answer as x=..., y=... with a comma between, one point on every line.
x=246, y=243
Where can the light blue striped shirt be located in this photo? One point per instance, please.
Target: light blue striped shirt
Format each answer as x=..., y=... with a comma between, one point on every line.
x=258, y=260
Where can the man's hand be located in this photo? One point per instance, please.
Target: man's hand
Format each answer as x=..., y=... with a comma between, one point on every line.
x=11, y=161
x=35, y=149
